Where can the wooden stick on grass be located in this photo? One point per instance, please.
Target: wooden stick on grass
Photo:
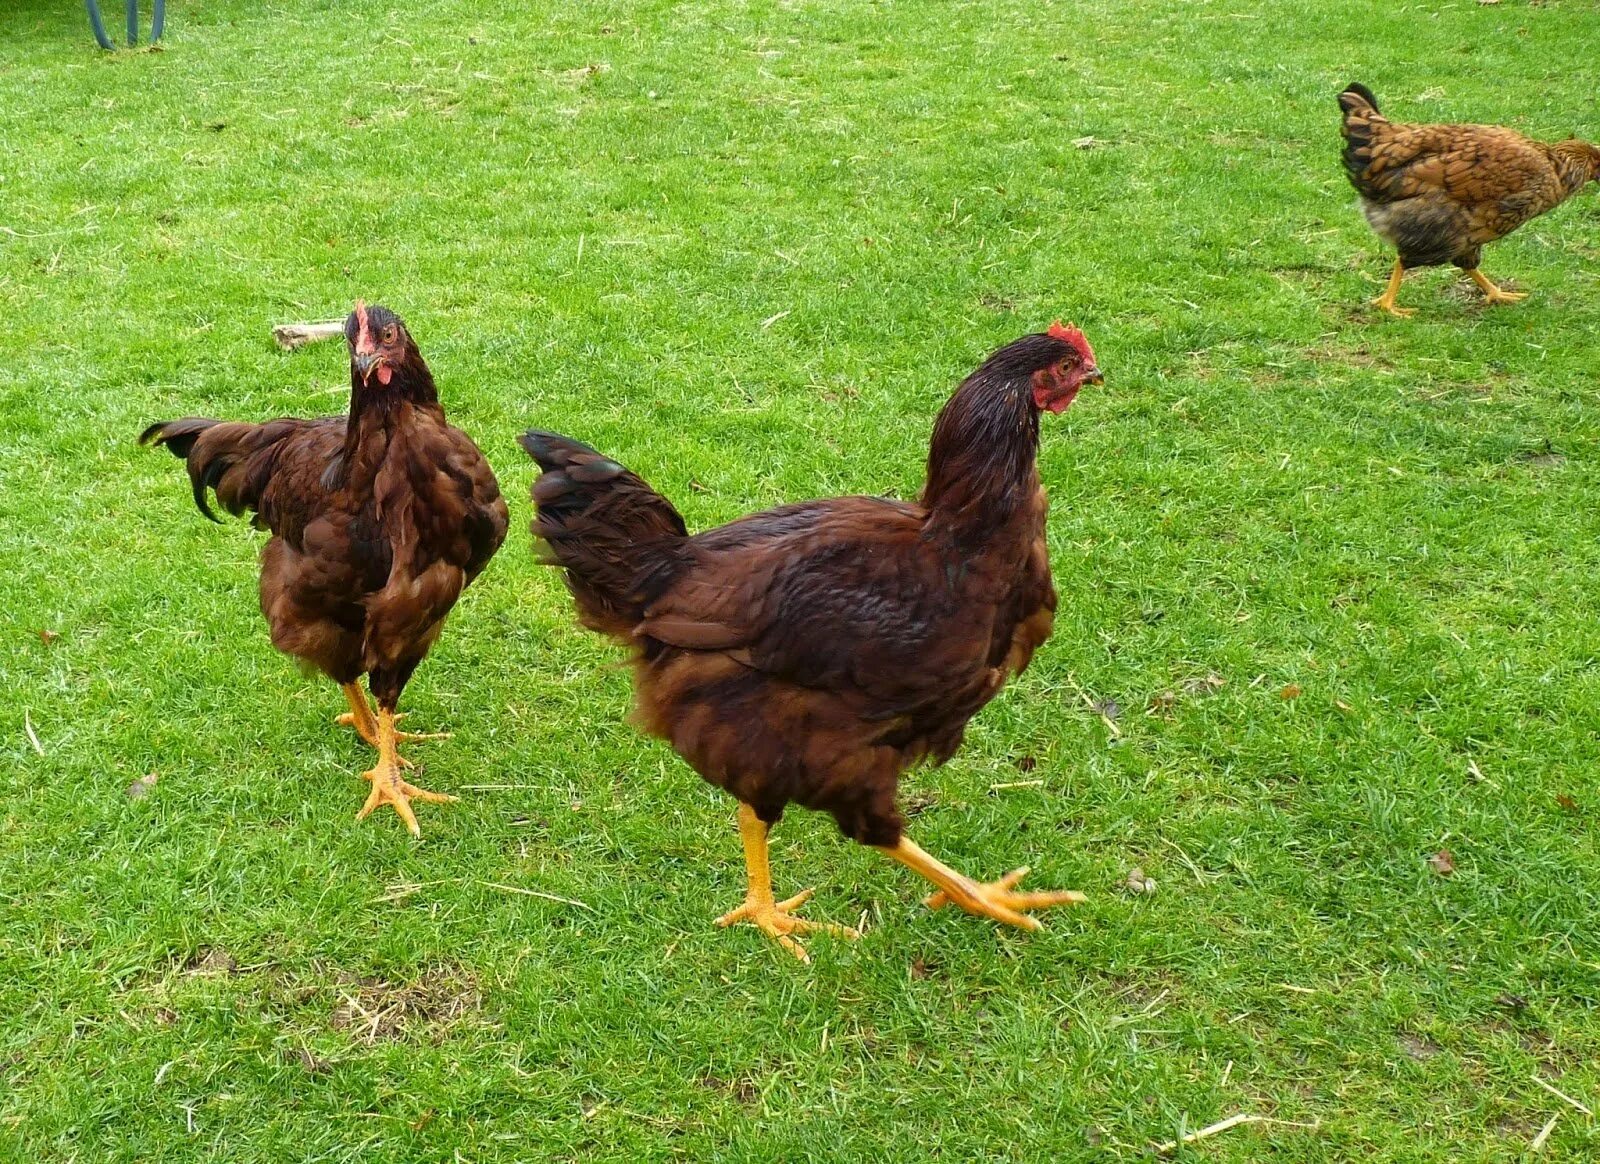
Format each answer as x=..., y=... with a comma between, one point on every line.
x=1221, y=1126
x=1544, y=1134
x=297, y=335
x=1561, y=1095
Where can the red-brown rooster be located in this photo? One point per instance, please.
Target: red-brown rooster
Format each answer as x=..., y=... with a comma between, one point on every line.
x=812, y=653
x=379, y=520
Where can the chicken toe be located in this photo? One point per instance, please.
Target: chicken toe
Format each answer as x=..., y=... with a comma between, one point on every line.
x=1386, y=301
x=1492, y=292
x=773, y=918
x=388, y=787
x=995, y=899
x=1392, y=291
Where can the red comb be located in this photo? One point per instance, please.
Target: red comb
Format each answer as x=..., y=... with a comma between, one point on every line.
x=361, y=314
x=1069, y=334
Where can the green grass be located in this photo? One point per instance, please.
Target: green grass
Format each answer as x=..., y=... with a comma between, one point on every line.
x=749, y=248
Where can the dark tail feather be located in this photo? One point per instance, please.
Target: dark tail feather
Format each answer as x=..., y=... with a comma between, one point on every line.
x=235, y=460
x=1361, y=118
x=1356, y=95
x=179, y=437
x=619, y=541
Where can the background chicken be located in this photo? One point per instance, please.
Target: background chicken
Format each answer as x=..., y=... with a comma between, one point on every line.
x=1440, y=192
x=379, y=520
x=814, y=652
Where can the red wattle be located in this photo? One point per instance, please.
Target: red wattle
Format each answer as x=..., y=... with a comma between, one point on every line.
x=1061, y=403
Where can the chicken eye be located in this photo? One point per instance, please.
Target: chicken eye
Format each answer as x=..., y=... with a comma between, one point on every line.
x=388, y=335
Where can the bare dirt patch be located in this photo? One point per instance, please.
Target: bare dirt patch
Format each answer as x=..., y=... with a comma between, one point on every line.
x=373, y=1010
x=1419, y=1047
x=428, y=1004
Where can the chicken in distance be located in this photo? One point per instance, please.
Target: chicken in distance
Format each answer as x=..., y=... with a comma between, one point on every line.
x=1440, y=192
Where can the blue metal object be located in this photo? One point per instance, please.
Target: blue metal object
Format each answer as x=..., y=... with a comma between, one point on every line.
x=158, y=17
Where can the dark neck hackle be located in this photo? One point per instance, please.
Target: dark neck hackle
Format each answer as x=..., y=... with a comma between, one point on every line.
x=981, y=459
x=376, y=409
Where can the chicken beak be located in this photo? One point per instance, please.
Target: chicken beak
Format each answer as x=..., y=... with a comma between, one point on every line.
x=365, y=362
x=1094, y=376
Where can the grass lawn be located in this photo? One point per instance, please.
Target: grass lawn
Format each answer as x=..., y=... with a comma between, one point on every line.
x=1327, y=578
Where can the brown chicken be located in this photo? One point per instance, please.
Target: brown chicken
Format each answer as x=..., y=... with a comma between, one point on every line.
x=1440, y=192
x=379, y=520
x=812, y=653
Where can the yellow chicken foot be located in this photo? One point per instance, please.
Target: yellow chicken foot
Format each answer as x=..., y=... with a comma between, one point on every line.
x=387, y=785
x=1492, y=293
x=361, y=718
x=759, y=909
x=991, y=899
x=1387, y=299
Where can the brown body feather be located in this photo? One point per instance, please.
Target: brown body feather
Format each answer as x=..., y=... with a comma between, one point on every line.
x=811, y=653
x=379, y=520
x=1439, y=193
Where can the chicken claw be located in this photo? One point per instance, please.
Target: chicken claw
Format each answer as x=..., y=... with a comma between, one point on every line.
x=387, y=785
x=1387, y=302
x=990, y=899
x=773, y=919
x=389, y=788
x=759, y=909
x=1493, y=292
x=995, y=899
x=1392, y=291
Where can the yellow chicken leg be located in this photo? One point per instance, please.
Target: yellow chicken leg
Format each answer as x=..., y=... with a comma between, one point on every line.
x=1492, y=293
x=992, y=899
x=361, y=718
x=759, y=909
x=1387, y=299
x=387, y=785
